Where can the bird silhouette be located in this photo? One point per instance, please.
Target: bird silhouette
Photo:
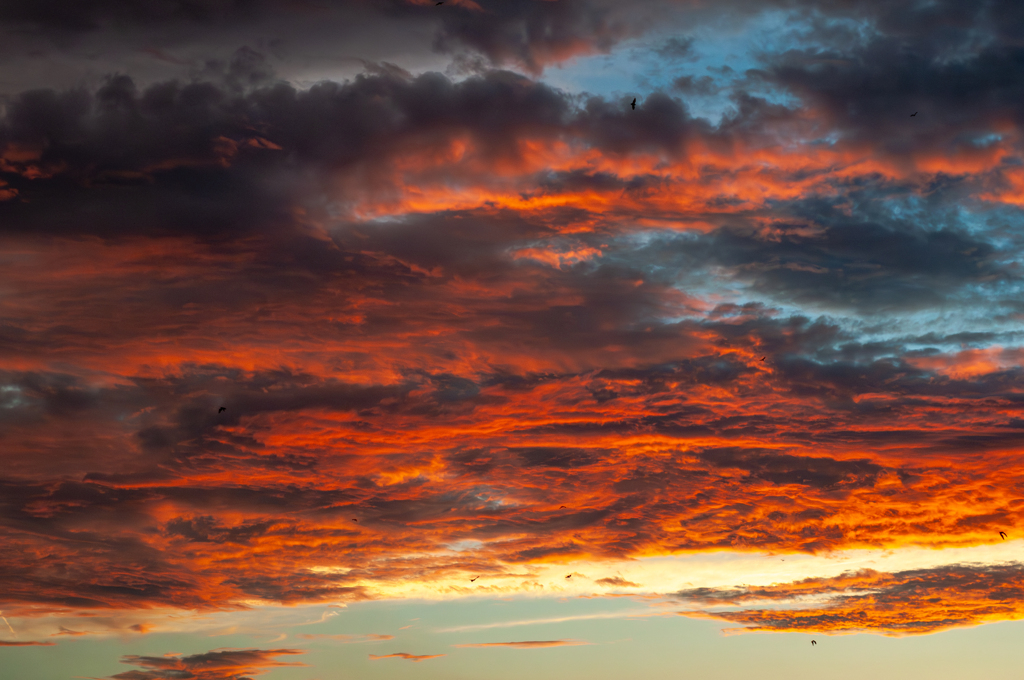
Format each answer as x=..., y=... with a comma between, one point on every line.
x=440, y=3
x=569, y=576
x=355, y=520
x=763, y=358
x=633, y=104
x=1003, y=534
x=473, y=579
x=561, y=507
x=913, y=114
x=222, y=409
x=813, y=643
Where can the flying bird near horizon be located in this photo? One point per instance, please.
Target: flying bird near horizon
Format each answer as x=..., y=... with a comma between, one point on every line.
x=813, y=643
x=1003, y=534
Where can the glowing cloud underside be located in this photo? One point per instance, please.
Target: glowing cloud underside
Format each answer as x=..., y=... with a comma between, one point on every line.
x=418, y=335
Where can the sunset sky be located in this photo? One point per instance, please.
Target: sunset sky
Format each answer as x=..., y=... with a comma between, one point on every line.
x=384, y=339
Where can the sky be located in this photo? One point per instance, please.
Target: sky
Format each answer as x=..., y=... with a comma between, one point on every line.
x=345, y=340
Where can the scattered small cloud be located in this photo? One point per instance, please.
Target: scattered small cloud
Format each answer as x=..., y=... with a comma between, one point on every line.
x=68, y=631
x=13, y=643
x=407, y=657
x=528, y=644
x=342, y=637
x=219, y=664
x=616, y=582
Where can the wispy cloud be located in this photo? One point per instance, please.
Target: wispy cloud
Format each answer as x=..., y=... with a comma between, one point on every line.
x=555, y=619
x=528, y=644
x=14, y=643
x=616, y=582
x=407, y=657
x=341, y=637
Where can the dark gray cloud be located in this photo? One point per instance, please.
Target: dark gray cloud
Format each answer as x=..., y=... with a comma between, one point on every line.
x=206, y=160
x=554, y=457
x=780, y=468
x=528, y=35
x=853, y=257
x=958, y=65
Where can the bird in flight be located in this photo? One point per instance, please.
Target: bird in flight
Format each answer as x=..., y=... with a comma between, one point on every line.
x=1003, y=534
x=473, y=579
x=633, y=104
x=355, y=520
x=222, y=409
x=913, y=114
x=440, y=3
x=813, y=642
x=561, y=507
x=569, y=576
x=763, y=358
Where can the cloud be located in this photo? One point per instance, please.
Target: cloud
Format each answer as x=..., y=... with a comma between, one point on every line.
x=617, y=582
x=533, y=622
x=408, y=657
x=530, y=36
x=18, y=643
x=903, y=603
x=226, y=664
x=438, y=308
x=342, y=637
x=528, y=644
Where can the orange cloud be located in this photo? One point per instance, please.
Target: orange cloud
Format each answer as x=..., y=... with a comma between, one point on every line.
x=408, y=657
x=494, y=351
x=16, y=643
x=905, y=603
x=226, y=664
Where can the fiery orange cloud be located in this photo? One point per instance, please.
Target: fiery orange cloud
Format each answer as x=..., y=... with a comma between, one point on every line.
x=905, y=603
x=711, y=449
x=465, y=355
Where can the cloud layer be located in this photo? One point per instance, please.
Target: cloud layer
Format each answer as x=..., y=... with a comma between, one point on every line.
x=270, y=341
x=904, y=603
